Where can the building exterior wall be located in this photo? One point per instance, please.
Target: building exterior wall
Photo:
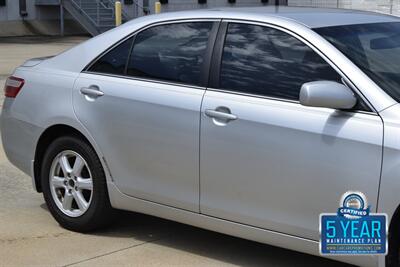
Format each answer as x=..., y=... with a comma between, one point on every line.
x=10, y=12
x=382, y=6
x=43, y=20
x=176, y=5
x=46, y=19
x=135, y=10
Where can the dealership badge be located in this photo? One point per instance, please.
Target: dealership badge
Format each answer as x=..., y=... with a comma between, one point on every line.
x=353, y=230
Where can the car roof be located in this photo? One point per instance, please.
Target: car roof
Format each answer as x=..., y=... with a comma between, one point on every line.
x=308, y=16
x=295, y=19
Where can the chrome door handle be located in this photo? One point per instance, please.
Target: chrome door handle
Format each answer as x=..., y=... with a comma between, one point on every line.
x=92, y=91
x=221, y=115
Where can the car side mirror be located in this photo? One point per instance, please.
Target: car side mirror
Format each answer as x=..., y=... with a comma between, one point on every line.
x=327, y=94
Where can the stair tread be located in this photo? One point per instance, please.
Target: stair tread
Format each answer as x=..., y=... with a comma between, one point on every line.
x=96, y=19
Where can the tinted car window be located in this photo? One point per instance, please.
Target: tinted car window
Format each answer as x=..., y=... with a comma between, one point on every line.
x=265, y=61
x=374, y=48
x=172, y=52
x=114, y=62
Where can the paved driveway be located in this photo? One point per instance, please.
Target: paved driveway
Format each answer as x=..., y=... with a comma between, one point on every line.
x=29, y=236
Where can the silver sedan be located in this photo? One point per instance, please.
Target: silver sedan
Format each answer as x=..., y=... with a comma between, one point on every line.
x=250, y=122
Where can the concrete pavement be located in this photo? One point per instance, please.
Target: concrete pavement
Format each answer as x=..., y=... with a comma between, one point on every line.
x=29, y=236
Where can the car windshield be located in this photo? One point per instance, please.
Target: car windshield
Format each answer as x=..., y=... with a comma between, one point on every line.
x=374, y=48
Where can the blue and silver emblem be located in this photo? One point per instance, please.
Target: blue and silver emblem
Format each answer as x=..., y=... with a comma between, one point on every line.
x=354, y=205
x=353, y=230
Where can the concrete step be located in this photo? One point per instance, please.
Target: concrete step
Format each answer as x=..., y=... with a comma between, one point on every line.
x=94, y=6
x=103, y=14
x=94, y=9
x=85, y=2
x=81, y=18
x=100, y=19
x=104, y=22
x=107, y=20
x=105, y=28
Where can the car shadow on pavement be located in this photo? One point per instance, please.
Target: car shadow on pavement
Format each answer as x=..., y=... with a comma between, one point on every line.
x=223, y=248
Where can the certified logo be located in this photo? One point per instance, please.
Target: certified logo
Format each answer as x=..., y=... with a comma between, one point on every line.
x=353, y=230
x=354, y=205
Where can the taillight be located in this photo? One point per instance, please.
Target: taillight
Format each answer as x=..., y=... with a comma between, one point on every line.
x=13, y=86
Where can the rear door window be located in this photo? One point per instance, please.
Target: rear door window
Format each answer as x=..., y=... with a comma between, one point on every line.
x=173, y=52
x=114, y=62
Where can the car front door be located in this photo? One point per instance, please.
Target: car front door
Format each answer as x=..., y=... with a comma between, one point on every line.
x=141, y=103
x=266, y=160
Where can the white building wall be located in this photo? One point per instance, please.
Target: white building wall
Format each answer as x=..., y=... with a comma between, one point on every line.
x=43, y=20
x=10, y=12
x=175, y=5
x=383, y=6
x=11, y=21
x=136, y=9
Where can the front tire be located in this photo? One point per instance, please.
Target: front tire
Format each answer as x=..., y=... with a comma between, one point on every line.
x=393, y=257
x=74, y=185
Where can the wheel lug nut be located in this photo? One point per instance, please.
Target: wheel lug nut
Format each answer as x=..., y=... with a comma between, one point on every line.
x=69, y=191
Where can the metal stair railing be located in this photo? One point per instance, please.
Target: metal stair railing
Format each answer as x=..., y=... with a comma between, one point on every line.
x=79, y=6
x=94, y=12
x=111, y=4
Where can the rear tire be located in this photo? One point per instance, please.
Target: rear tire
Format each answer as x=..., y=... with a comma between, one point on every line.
x=393, y=257
x=74, y=185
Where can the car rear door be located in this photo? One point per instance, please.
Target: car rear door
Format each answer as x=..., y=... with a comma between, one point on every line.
x=266, y=160
x=141, y=102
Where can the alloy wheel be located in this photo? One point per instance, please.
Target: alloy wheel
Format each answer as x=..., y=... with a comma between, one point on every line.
x=71, y=183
